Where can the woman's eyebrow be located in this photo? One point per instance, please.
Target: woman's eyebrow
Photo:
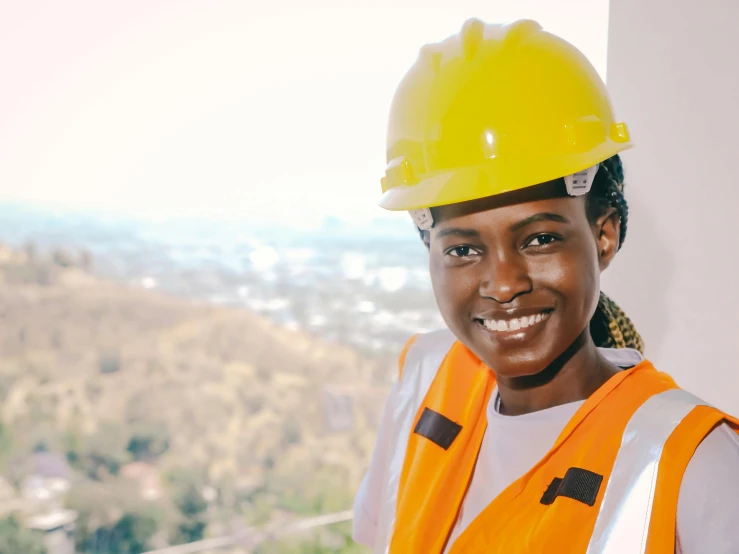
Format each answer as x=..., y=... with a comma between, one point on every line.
x=458, y=232
x=543, y=216
x=473, y=233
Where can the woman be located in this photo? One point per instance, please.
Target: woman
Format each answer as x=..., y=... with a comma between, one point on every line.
x=534, y=424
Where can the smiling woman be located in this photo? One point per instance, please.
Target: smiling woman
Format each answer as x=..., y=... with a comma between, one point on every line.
x=534, y=423
x=537, y=253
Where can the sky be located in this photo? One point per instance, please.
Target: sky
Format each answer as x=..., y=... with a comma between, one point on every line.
x=221, y=108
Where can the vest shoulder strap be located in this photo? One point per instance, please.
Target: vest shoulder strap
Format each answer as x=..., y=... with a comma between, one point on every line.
x=623, y=522
x=425, y=349
x=418, y=364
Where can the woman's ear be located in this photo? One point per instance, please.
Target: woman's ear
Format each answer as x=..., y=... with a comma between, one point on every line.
x=607, y=237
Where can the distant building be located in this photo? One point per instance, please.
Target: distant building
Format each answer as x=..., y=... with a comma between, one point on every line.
x=47, y=478
x=50, y=465
x=57, y=528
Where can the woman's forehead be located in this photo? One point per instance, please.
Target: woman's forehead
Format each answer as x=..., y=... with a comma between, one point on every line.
x=547, y=197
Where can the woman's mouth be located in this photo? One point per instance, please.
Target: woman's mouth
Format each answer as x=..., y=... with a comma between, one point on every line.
x=512, y=324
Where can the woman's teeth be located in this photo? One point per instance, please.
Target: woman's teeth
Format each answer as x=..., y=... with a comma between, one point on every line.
x=514, y=324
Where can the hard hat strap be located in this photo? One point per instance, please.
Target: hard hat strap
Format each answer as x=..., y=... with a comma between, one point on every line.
x=423, y=218
x=581, y=182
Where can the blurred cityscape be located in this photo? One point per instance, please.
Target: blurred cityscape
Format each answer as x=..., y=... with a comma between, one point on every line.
x=178, y=382
x=367, y=287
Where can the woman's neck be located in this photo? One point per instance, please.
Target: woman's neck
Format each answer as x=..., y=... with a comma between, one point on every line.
x=573, y=376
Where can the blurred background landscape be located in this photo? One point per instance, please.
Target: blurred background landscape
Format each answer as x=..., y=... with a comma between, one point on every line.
x=201, y=305
x=165, y=382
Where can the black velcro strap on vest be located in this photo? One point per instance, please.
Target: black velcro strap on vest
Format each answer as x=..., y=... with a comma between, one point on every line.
x=579, y=484
x=437, y=428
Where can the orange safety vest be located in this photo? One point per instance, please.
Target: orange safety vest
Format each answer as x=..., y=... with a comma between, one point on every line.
x=609, y=485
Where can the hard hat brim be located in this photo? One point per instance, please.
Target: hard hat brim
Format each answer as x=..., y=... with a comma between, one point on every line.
x=495, y=176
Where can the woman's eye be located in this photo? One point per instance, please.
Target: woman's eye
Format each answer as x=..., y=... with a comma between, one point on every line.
x=542, y=240
x=462, y=252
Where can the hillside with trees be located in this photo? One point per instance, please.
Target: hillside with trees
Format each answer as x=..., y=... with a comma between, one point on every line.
x=177, y=420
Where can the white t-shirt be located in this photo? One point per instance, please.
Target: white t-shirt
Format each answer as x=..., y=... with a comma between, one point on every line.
x=708, y=506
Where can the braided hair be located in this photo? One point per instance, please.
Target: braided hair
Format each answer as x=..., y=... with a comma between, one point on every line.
x=609, y=326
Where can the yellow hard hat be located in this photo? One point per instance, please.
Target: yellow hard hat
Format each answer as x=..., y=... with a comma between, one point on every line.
x=494, y=109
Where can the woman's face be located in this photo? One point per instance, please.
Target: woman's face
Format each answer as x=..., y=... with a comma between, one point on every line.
x=517, y=276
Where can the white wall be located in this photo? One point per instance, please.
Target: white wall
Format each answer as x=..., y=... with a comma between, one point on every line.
x=673, y=74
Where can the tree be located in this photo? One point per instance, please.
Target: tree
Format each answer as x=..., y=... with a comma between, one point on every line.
x=190, y=502
x=112, y=518
x=100, y=454
x=131, y=534
x=148, y=442
x=134, y=532
x=291, y=432
x=15, y=539
x=189, y=530
x=110, y=362
x=62, y=258
x=192, y=505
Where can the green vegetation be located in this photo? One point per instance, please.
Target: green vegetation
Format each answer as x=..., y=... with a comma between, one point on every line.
x=15, y=539
x=130, y=386
x=131, y=534
x=6, y=446
x=148, y=442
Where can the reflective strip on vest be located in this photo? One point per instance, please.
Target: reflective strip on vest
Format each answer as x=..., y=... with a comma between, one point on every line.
x=623, y=520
